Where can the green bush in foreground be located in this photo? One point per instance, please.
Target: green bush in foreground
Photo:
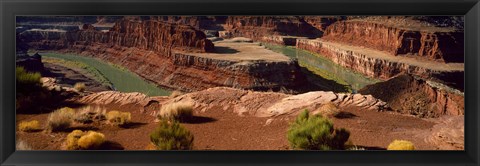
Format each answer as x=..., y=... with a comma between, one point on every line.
x=171, y=136
x=313, y=132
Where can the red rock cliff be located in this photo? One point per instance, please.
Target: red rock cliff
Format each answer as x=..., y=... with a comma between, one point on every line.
x=427, y=42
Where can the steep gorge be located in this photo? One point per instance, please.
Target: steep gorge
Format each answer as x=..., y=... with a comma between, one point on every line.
x=159, y=52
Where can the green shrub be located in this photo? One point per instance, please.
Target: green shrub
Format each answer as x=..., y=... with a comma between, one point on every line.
x=176, y=111
x=27, y=81
x=401, y=145
x=60, y=119
x=27, y=78
x=171, y=136
x=79, y=140
x=118, y=118
x=313, y=132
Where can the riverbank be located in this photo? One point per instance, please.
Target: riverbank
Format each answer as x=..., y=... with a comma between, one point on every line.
x=121, y=80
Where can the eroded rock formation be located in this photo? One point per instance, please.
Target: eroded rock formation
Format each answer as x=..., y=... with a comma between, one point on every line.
x=397, y=39
x=377, y=64
x=410, y=95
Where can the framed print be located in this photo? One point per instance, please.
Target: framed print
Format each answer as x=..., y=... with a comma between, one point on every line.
x=233, y=83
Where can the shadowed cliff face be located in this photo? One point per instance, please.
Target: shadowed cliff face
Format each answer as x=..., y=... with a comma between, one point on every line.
x=148, y=35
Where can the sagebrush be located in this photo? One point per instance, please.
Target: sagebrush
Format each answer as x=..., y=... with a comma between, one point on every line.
x=171, y=136
x=176, y=111
x=118, y=118
x=60, y=119
x=314, y=132
x=29, y=126
x=80, y=140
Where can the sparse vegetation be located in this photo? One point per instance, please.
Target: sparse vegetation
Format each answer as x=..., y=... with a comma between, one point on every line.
x=171, y=136
x=118, y=118
x=29, y=126
x=401, y=145
x=88, y=114
x=60, y=119
x=22, y=145
x=328, y=110
x=79, y=86
x=176, y=111
x=175, y=93
x=27, y=78
x=313, y=132
x=79, y=140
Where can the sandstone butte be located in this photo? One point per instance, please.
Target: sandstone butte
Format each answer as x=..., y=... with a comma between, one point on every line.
x=173, y=55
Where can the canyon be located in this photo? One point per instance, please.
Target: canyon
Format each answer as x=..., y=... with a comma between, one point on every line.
x=408, y=74
x=164, y=53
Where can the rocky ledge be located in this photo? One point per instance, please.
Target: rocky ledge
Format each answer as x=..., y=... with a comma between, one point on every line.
x=378, y=64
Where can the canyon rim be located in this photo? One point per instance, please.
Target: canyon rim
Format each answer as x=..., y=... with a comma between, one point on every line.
x=240, y=82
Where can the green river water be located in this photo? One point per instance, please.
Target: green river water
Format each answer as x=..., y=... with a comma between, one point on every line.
x=121, y=79
x=324, y=67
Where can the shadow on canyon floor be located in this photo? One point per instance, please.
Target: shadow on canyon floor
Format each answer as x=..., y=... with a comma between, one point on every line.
x=133, y=125
x=111, y=145
x=345, y=115
x=199, y=120
x=319, y=83
x=225, y=50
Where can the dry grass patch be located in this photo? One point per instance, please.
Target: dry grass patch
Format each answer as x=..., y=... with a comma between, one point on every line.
x=118, y=118
x=175, y=94
x=79, y=86
x=328, y=110
x=80, y=140
x=29, y=126
x=88, y=114
x=22, y=145
x=60, y=119
x=176, y=111
x=401, y=145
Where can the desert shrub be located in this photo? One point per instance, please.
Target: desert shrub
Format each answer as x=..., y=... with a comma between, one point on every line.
x=27, y=81
x=80, y=87
x=176, y=111
x=22, y=145
x=79, y=140
x=60, y=119
x=175, y=94
x=313, y=132
x=329, y=110
x=401, y=145
x=118, y=118
x=24, y=77
x=29, y=126
x=89, y=113
x=171, y=136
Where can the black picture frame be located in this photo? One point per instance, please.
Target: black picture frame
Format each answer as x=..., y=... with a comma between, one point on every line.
x=10, y=8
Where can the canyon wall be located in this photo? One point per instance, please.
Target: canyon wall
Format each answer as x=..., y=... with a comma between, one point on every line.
x=376, y=67
x=416, y=96
x=256, y=27
x=431, y=43
x=158, y=51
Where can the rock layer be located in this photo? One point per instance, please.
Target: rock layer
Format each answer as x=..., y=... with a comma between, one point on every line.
x=410, y=95
x=377, y=64
x=429, y=44
x=272, y=104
